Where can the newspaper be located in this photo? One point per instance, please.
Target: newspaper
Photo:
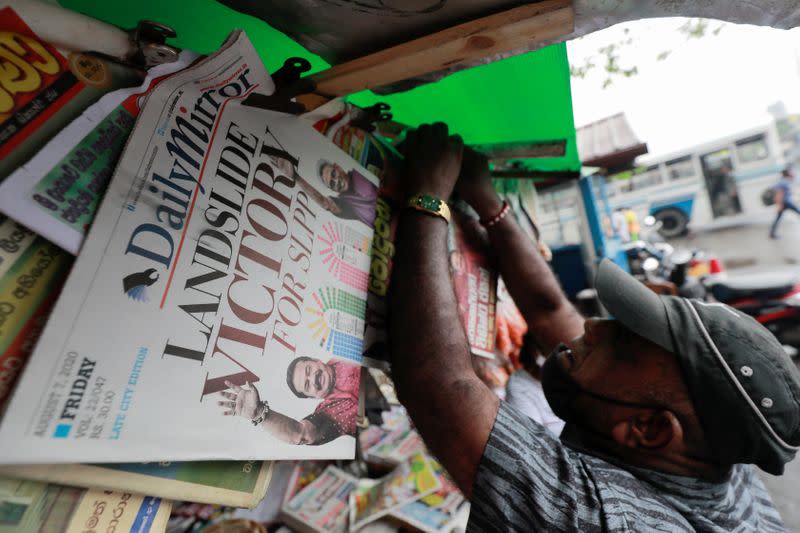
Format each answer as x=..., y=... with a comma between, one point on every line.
x=216, y=310
x=32, y=507
x=57, y=192
x=410, y=481
x=322, y=506
x=235, y=483
x=32, y=271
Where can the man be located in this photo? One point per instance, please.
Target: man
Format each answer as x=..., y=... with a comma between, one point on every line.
x=783, y=199
x=620, y=225
x=355, y=195
x=335, y=383
x=666, y=408
x=633, y=224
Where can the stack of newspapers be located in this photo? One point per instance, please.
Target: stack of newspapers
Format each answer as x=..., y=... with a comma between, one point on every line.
x=189, y=287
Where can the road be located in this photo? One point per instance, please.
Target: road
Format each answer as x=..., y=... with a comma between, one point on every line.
x=744, y=247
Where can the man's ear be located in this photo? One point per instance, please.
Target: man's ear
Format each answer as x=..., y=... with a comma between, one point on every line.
x=648, y=428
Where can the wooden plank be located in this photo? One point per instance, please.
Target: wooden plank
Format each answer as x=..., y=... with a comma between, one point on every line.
x=502, y=32
x=501, y=152
x=534, y=174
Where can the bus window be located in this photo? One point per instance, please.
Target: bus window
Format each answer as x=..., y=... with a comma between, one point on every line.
x=680, y=168
x=650, y=177
x=752, y=149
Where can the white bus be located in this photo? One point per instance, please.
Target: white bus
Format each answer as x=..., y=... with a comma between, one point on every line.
x=722, y=178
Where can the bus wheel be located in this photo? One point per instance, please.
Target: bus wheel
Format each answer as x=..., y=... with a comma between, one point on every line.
x=674, y=222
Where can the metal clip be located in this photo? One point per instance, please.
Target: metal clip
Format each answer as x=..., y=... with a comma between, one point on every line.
x=370, y=115
x=288, y=85
x=149, y=39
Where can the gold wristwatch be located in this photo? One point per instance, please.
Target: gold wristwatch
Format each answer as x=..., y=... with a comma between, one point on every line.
x=430, y=205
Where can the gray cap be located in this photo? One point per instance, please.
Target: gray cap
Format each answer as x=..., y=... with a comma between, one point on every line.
x=745, y=389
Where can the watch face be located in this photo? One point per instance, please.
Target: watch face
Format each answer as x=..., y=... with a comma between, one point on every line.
x=429, y=202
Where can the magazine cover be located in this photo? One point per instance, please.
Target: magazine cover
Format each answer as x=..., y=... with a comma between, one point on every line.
x=323, y=505
x=32, y=507
x=437, y=511
x=408, y=482
x=57, y=192
x=235, y=483
x=43, y=88
x=32, y=271
x=474, y=282
x=337, y=120
x=216, y=310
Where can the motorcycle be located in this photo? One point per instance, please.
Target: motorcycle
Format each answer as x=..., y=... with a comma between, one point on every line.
x=772, y=298
x=656, y=262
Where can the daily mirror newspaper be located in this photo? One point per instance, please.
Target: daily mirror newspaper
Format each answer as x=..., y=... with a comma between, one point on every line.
x=216, y=310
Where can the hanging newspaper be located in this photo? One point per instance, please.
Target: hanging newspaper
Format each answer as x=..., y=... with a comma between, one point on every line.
x=225, y=274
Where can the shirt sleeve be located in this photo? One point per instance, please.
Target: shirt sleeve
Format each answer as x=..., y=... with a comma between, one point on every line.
x=334, y=418
x=528, y=481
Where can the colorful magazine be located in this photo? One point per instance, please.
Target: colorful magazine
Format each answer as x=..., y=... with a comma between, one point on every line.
x=32, y=507
x=322, y=507
x=43, y=88
x=216, y=310
x=32, y=272
x=235, y=483
x=474, y=281
x=474, y=277
x=410, y=481
x=437, y=511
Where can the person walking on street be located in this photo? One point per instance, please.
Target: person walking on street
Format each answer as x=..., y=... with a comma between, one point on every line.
x=783, y=199
x=633, y=223
x=667, y=407
x=620, y=224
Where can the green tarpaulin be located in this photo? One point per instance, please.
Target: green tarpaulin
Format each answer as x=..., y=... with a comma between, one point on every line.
x=524, y=98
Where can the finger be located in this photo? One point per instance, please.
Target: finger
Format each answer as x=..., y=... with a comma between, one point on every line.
x=236, y=388
x=439, y=130
x=228, y=413
x=227, y=404
x=423, y=133
x=457, y=145
x=228, y=395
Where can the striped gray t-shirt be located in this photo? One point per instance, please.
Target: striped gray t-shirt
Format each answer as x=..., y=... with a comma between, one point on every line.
x=528, y=480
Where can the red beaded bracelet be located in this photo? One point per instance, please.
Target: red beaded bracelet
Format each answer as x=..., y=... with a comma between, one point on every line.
x=498, y=217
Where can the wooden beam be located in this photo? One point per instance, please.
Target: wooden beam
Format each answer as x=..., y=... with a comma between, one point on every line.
x=501, y=152
x=502, y=32
x=534, y=174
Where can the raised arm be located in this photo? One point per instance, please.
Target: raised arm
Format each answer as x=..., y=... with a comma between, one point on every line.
x=551, y=317
x=246, y=402
x=431, y=366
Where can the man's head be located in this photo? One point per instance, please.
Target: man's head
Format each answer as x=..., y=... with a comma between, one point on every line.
x=679, y=380
x=333, y=176
x=787, y=173
x=614, y=383
x=310, y=378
